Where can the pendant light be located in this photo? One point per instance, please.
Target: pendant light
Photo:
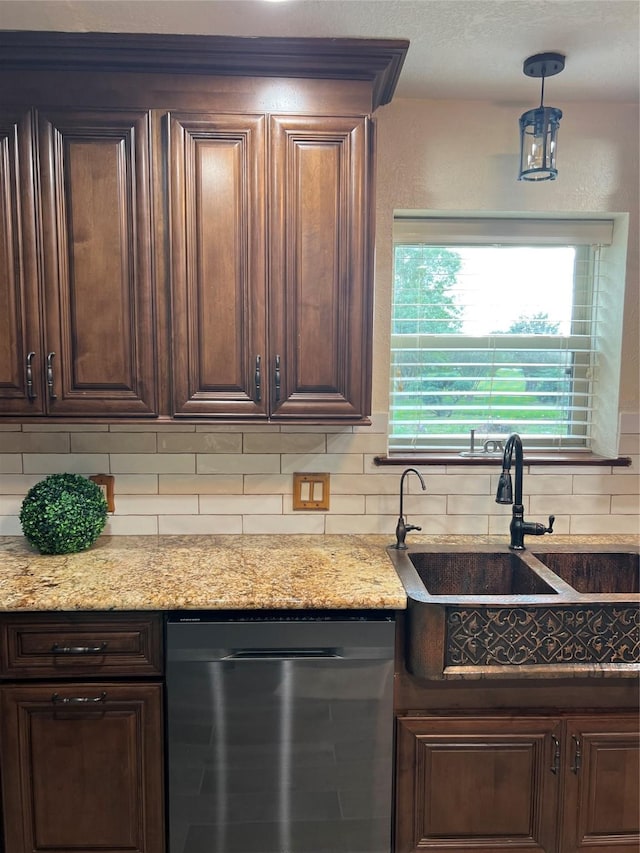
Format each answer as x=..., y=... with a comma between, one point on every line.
x=539, y=127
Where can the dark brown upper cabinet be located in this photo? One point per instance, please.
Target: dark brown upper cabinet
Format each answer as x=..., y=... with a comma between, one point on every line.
x=321, y=276
x=186, y=225
x=75, y=255
x=285, y=334
x=218, y=265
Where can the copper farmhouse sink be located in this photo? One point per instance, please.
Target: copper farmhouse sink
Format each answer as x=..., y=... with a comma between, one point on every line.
x=489, y=612
x=473, y=573
x=589, y=572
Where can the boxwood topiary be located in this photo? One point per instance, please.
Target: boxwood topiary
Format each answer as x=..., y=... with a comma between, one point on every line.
x=63, y=513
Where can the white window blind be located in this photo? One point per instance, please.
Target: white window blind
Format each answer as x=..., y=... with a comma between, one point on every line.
x=494, y=329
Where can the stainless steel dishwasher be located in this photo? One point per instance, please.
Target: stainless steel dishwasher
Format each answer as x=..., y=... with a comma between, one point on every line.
x=280, y=730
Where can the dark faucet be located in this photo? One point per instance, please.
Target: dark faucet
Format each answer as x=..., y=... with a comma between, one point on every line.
x=504, y=495
x=402, y=528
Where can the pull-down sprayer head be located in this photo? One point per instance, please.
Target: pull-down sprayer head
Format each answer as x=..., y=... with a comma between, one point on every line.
x=504, y=493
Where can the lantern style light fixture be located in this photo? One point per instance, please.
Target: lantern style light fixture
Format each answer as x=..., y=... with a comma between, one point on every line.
x=539, y=127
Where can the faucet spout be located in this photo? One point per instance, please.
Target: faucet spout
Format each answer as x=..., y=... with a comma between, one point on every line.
x=402, y=528
x=505, y=494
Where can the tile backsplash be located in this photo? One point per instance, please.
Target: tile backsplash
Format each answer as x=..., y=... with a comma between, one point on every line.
x=185, y=478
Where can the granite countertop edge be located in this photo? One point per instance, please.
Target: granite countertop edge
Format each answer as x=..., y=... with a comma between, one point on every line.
x=219, y=572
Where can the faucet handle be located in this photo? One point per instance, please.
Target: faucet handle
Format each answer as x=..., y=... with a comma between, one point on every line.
x=549, y=529
x=412, y=527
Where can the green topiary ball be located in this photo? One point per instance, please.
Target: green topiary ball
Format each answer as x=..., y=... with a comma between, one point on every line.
x=63, y=513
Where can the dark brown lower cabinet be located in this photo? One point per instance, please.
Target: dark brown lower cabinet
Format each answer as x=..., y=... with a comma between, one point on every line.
x=82, y=767
x=551, y=784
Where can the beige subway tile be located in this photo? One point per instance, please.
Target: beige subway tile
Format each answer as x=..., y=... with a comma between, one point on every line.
x=200, y=484
x=472, y=505
x=291, y=442
x=10, y=463
x=200, y=442
x=360, y=442
x=113, y=442
x=467, y=525
x=623, y=504
x=561, y=470
x=341, y=504
x=199, y=524
x=131, y=525
x=422, y=504
x=469, y=470
x=332, y=463
x=363, y=524
x=10, y=504
x=570, y=505
x=34, y=442
x=157, y=505
x=136, y=484
x=284, y=524
x=10, y=525
x=10, y=427
x=238, y=463
x=605, y=484
x=453, y=484
x=268, y=484
x=379, y=424
x=18, y=484
x=71, y=463
x=544, y=484
x=630, y=422
x=363, y=484
x=240, y=504
x=629, y=444
x=607, y=524
x=153, y=463
x=346, y=504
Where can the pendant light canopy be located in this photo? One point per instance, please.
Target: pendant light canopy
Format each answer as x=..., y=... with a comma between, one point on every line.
x=539, y=127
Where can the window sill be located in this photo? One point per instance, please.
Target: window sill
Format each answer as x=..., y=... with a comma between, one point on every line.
x=437, y=458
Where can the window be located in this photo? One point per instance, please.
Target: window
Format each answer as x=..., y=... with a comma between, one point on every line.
x=497, y=327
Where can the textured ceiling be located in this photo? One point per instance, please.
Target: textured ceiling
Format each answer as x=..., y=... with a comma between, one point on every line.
x=462, y=49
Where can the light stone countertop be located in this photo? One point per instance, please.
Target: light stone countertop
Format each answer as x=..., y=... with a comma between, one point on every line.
x=219, y=572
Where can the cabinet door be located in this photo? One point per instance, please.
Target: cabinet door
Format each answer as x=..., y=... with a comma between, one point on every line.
x=321, y=276
x=82, y=768
x=96, y=225
x=602, y=784
x=476, y=784
x=21, y=365
x=218, y=268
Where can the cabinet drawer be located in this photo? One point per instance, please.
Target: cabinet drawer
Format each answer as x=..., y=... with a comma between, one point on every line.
x=45, y=645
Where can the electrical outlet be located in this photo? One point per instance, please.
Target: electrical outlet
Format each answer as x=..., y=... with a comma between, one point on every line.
x=106, y=483
x=311, y=491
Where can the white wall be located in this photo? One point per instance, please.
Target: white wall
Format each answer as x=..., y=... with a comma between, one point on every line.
x=437, y=155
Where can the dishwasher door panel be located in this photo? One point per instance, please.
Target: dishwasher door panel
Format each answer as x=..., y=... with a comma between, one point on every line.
x=280, y=755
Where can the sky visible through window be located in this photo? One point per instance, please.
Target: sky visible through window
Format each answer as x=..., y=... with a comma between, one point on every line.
x=499, y=285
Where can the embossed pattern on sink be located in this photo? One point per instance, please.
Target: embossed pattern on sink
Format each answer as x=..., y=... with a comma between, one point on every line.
x=482, y=611
x=595, y=572
x=474, y=573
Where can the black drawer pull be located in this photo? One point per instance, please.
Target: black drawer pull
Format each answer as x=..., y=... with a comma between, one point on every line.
x=78, y=700
x=78, y=650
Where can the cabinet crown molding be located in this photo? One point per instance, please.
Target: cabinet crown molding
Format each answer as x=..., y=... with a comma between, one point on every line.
x=376, y=60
